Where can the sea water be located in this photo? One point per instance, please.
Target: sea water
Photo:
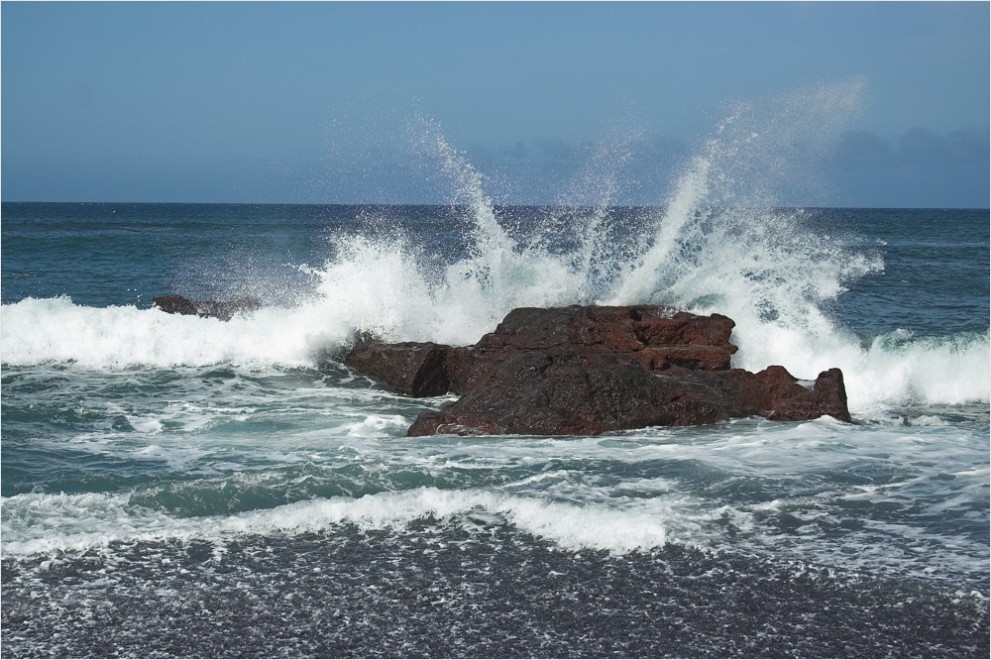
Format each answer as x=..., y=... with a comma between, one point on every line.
x=183, y=486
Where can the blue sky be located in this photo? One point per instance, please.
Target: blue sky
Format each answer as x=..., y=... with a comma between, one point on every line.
x=328, y=102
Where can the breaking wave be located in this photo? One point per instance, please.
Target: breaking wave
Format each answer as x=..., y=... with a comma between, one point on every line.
x=717, y=243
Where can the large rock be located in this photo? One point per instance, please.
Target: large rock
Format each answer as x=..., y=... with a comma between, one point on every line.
x=655, y=337
x=562, y=395
x=588, y=370
x=220, y=309
x=539, y=395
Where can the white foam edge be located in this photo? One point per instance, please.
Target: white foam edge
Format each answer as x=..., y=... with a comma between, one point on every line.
x=47, y=523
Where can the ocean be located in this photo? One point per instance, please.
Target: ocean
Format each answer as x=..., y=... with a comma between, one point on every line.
x=177, y=486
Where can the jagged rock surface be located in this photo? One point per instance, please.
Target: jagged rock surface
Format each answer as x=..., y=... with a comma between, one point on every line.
x=587, y=370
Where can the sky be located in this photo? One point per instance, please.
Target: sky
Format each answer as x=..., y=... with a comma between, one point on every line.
x=859, y=103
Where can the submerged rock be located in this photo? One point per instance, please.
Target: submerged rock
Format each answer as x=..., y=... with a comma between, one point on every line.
x=587, y=370
x=220, y=309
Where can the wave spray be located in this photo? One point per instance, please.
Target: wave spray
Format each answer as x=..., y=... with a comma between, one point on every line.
x=718, y=242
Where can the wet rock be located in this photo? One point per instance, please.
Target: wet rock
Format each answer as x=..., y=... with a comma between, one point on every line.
x=587, y=370
x=533, y=394
x=563, y=395
x=410, y=368
x=220, y=309
x=776, y=394
x=654, y=337
x=173, y=304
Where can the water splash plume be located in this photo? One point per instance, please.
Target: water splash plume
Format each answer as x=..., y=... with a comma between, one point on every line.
x=717, y=243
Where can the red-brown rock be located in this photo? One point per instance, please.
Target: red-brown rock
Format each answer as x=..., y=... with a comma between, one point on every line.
x=654, y=337
x=410, y=368
x=540, y=395
x=776, y=394
x=587, y=370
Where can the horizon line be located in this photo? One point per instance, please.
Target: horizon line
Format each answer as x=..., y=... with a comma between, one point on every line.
x=498, y=205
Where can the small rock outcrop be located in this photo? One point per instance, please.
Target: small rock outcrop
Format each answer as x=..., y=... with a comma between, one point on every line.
x=588, y=370
x=219, y=309
x=410, y=368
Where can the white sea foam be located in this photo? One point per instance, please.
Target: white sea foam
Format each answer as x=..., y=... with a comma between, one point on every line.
x=36, y=523
x=374, y=426
x=36, y=331
x=581, y=493
x=718, y=245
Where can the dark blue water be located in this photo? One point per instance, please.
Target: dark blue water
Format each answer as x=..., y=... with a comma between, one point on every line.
x=204, y=250
x=181, y=486
x=121, y=254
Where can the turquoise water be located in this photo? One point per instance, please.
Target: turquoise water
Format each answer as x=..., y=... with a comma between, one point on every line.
x=184, y=486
